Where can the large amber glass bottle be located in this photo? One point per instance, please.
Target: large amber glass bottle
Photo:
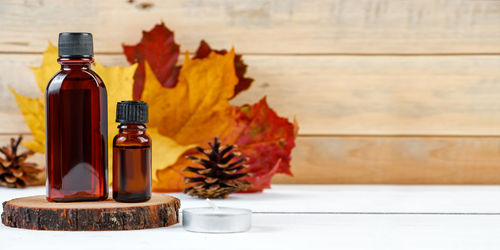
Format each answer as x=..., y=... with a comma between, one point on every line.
x=76, y=125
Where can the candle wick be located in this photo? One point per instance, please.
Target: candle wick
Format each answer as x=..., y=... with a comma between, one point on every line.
x=212, y=204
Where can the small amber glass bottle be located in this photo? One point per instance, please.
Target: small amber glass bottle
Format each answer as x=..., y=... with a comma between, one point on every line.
x=132, y=153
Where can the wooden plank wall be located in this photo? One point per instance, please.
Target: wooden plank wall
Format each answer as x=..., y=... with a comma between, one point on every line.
x=385, y=91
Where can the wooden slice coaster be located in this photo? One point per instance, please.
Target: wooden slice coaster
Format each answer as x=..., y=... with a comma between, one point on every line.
x=35, y=212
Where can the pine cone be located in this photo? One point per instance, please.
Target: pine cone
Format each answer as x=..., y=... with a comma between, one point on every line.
x=15, y=172
x=219, y=175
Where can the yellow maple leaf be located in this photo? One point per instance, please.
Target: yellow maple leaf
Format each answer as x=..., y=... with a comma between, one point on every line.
x=192, y=112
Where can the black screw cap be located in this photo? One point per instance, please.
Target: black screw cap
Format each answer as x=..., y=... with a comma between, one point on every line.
x=132, y=112
x=75, y=44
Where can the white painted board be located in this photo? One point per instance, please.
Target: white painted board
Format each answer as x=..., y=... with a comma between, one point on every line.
x=311, y=217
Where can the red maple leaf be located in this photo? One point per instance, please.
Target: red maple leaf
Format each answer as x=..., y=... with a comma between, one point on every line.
x=159, y=49
x=266, y=139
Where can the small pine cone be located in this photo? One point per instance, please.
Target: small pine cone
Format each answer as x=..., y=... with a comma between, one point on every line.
x=219, y=175
x=15, y=172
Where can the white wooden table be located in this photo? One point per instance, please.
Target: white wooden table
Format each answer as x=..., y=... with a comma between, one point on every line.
x=311, y=217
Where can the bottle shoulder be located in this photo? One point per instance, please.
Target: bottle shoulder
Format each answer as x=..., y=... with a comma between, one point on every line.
x=75, y=79
x=132, y=139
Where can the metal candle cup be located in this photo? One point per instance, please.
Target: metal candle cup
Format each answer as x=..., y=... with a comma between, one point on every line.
x=216, y=219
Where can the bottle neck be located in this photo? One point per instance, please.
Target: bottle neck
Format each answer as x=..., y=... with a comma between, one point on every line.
x=75, y=63
x=126, y=128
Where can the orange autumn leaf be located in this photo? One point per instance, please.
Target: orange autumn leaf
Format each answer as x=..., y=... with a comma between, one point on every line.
x=244, y=82
x=194, y=111
x=197, y=108
x=260, y=134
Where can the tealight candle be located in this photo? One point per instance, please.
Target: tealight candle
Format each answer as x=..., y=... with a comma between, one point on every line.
x=215, y=219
